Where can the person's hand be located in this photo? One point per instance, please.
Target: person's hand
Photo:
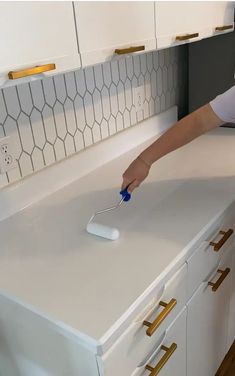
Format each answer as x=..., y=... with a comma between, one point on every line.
x=135, y=174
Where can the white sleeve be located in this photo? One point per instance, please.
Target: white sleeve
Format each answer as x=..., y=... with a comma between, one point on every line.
x=224, y=105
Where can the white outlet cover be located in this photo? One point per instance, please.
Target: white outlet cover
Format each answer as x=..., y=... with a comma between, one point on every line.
x=7, y=157
x=139, y=98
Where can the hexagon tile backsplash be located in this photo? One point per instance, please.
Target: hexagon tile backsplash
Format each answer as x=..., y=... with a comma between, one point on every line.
x=53, y=118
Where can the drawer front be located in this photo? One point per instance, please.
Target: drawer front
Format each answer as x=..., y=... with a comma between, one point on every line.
x=208, y=255
x=135, y=344
x=170, y=357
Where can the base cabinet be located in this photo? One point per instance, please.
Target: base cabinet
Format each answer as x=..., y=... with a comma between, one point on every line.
x=207, y=321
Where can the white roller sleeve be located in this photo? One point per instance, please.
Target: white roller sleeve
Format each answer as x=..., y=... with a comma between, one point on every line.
x=106, y=232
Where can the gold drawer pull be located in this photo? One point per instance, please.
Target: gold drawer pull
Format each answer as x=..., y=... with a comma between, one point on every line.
x=216, y=285
x=225, y=27
x=13, y=75
x=129, y=50
x=186, y=36
x=169, y=351
x=220, y=243
x=152, y=327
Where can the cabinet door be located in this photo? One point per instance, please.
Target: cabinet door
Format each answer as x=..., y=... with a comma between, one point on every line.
x=37, y=33
x=207, y=322
x=231, y=321
x=187, y=19
x=106, y=26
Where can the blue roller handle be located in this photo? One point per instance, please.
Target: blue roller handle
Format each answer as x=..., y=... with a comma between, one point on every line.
x=125, y=194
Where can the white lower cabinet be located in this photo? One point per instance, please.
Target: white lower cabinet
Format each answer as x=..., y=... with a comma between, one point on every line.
x=231, y=320
x=207, y=321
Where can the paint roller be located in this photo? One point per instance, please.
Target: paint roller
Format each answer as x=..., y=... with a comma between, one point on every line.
x=107, y=232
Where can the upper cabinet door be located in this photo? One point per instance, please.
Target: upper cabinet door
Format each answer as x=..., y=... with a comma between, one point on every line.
x=180, y=22
x=104, y=27
x=36, y=34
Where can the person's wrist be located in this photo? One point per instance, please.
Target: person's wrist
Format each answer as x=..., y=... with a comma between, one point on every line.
x=144, y=161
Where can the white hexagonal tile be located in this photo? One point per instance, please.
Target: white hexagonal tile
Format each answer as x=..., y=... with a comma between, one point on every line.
x=99, y=81
x=146, y=110
x=170, y=77
x=113, y=99
x=89, y=110
x=49, y=91
x=80, y=81
x=12, y=101
x=167, y=57
x=173, y=54
x=136, y=64
x=140, y=116
x=157, y=105
x=122, y=69
x=11, y=129
x=112, y=126
x=147, y=86
x=37, y=159
x=175, y=75
x=59, y=150
x=37, y=128
x=173, y=99
x=119, y=122
x=2, y=134
x=161, y=58
x=115, y=72
x=25, y=98
x=104, y=129
x=3, y=180
x=90, y=79
x=70, y=84
x=133, y=116
x=105, y=100
x=3, y=110
x=168, y=100
x=70, y=116
x=149, y=57
x=37, y=94
x=49, y=124
x=129, y=67
x=153, y=81
x=60, y=120
x=141, y=80
x=151, y=107
x=60, y=88
x=143, y=63
x=163, y=102
x=96, y=132
x=97, y=106
x=156, y=60
x=79, y=113
x=25, y=164
x=87, y=137
x=128, y=94
x=49, y=154
x=69, y=145
x=107, y=74
x=164, y=80
x=25, y=133
x=14, y=175
x=126, y=119
x=159, y=82
x=79, y=141
x=121, y=97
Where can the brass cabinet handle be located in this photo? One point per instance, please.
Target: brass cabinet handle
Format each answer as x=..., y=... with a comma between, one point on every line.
x=216, y=285
x=13, y=75
x=169, y=351
x=225, y=27
x=129, y=50
x=186, y=36
x=152, y=327
x=220, y=243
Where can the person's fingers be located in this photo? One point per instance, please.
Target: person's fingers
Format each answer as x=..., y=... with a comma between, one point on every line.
x=125, y=182
x=135, y=184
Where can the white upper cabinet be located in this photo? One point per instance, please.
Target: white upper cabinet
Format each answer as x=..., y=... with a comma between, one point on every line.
x=180, y=22
x=104, y=27
x=36, y=34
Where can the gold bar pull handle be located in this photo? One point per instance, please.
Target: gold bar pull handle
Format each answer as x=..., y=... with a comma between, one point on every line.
x=181, y=38
x=169, y=351
x=13, y=75
x=168, y=307
x=216, y=285
x=220, y=243
x=225, y=27
x=129, y=50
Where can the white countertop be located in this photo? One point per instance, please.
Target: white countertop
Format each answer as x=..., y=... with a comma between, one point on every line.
x=49, y=262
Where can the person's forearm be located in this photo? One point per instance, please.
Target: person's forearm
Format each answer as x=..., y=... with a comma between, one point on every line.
x=184, y=131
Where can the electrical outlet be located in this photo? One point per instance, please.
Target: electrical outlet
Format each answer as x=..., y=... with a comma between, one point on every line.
x=7, y=158
x=139, y=98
